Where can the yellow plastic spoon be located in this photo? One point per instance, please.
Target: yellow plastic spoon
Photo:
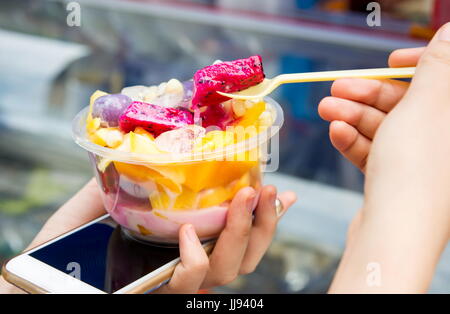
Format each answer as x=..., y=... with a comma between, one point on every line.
x=268, y=85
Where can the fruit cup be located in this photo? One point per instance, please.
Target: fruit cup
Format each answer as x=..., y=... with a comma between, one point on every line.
x=152, y=194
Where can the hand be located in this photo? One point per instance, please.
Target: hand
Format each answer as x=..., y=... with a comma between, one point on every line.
x=250, y=240
x=358, y=106
x=239, y=248
x=405, y=221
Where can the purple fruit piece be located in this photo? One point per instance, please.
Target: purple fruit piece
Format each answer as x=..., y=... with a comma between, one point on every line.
x=226, y=77
x=109, y=108
x=153, y=118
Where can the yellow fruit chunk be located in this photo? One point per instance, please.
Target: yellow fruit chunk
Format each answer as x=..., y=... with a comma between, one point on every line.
x=144, y=231
x=213, y=197
x=123, y=147
x=252, y=114
x=243, y=182
x=214, y=140
x=110, y=137
x=93, y=124
x=168, y=176
x=94, y=138
x=141, y=131
x=142, y=144
x=168, y=183
x=186, y=200
x=210, y=174
x=160, y=199
x=140, y=173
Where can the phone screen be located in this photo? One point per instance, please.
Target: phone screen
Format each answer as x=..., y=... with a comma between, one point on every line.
x=107, y=258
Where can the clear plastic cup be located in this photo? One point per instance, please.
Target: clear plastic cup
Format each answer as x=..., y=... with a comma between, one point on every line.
x=151, y=196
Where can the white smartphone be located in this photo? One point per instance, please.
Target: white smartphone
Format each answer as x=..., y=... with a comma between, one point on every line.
x=97, y=257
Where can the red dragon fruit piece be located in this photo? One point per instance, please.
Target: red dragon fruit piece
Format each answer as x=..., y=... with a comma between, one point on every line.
x=232, y=76
x=217, y=115
x=153, y=118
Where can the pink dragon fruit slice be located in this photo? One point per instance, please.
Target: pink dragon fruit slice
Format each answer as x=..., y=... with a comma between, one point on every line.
x=226, y=77
x=153, y=118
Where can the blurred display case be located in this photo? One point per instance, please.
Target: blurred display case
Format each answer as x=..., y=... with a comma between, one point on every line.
x=48, y=70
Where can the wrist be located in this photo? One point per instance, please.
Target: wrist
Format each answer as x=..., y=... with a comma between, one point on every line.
x=391, y=251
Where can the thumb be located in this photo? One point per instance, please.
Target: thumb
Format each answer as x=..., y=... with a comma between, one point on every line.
x=431, y=81
x=191, y=271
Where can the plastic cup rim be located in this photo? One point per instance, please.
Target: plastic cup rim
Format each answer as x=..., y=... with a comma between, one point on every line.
x=80, y=137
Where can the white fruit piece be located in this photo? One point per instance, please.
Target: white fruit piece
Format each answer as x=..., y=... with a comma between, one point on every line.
x=111, y=136
x=162, y=88
x=152, y=93
x=174, y=86
x=239, y=107
x=136, y=93
x=181, y=140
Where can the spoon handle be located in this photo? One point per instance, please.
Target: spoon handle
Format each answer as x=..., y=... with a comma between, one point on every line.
x=381, y=73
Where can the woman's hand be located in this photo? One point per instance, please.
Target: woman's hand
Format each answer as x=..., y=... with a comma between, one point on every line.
x=358, y=106
x=405, y=221
x=238, y=250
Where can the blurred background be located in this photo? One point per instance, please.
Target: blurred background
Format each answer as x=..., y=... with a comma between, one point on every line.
x=48, y=71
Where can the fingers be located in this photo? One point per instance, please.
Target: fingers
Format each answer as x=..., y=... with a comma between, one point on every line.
x=226, y=258
x=350, y=143
x=405, y=57
x=191, y=271
x=364, y=118
x=433, y=72
x=380, y=94
x=264, y=226
x=357, y=109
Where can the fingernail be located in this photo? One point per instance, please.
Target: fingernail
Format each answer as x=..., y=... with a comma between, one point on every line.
x=279, y=209
x=250, y=202
x=190, y=233
x=444, y=33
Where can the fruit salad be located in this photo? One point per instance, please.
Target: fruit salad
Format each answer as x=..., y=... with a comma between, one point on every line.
x=178, y=152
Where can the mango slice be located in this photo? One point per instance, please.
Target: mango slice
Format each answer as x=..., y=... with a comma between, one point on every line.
x=160, y=199
x=252, y=114
x=215, y=196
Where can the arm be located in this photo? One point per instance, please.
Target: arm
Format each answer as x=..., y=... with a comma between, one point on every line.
x=404, y=225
